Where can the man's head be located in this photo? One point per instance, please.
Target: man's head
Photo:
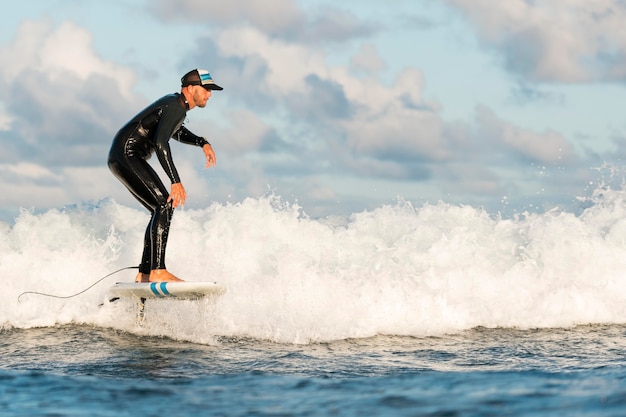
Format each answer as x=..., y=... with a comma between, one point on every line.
x=197, y=85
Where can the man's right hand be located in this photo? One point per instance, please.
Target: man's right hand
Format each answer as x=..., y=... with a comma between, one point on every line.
x=178, y=195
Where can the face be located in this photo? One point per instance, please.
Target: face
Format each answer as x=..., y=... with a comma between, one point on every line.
x=200, y=95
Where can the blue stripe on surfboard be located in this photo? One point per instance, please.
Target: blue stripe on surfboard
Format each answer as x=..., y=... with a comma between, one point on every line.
x=164, y=290
x=153, y=288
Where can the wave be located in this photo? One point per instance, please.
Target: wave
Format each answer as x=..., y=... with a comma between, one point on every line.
x=396, y=270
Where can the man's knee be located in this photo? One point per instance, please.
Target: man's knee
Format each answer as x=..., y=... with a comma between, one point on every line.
x=165, y=207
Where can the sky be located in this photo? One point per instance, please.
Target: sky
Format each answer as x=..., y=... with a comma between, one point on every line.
x=339, y=107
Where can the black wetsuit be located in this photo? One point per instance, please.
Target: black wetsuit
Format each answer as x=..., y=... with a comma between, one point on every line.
x=147, y=133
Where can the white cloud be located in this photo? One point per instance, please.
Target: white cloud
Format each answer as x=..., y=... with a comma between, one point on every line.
x=75, y=99
x=25, y=184
x=287, y=64
x=397, y=132
x=548, y=147
x=367, y=60
x=377, y=119
x=392, y=121
x=278, y=18
x=467, y=177
x=62, y=104
x=247, y=132
x=26, y=170
x=41, y=51
x=569, y=41
x=298, y=116
x=6, y=120
x=369, y=128
x=270, y=17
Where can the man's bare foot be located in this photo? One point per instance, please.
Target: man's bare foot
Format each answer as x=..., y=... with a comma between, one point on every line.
x=141, y=277
x=162, y=275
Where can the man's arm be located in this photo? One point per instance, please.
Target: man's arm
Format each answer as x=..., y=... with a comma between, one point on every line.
x=170, y=120
x=183, y=135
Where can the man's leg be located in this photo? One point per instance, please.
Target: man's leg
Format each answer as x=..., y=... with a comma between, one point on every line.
x=144, y=183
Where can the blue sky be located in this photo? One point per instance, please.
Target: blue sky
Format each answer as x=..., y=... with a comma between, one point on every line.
x=341, y=106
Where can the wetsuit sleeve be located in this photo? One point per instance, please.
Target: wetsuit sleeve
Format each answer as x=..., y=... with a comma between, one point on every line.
x=171, y=119
x=183, y=135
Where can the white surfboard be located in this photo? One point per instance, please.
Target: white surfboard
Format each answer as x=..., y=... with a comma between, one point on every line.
x=186, y=290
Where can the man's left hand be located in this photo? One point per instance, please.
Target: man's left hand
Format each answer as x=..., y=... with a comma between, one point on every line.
x=210, y=155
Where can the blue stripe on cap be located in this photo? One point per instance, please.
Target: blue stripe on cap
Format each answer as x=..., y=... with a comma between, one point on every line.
x=205, y=77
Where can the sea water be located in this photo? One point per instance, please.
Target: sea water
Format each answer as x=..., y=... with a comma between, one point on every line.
x=438, y=310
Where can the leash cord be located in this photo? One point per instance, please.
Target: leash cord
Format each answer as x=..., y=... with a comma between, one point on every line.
x=78, y=293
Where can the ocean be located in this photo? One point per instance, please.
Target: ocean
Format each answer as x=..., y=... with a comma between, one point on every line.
x=436, y=310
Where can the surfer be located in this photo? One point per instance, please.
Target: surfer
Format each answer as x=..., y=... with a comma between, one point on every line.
x=149, y=133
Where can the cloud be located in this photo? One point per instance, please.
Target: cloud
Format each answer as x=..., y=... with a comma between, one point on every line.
x=360, y=125
x=56, y=53
x=278, y=67
x=23, y=181
x=566, y=41
x=394, y=122
x=334, y=24
x=294, y=116
x=548, y=147
x=24, y=170
x=367, y=60
x=469, y=178
x=63, y=101
x=280, y=18
x=324, y=98
x=525, y=93
x=6, y=120
x=362, y=117
x=247, y=133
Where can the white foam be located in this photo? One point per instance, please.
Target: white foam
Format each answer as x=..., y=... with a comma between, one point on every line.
x=395, y=270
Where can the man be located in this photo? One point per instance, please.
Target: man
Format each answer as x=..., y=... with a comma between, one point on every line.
x=147, y=133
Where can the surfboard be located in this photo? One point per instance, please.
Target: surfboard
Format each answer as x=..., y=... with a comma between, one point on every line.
x=187, y=290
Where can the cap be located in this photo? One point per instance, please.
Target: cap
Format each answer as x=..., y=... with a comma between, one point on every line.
x=199, y=77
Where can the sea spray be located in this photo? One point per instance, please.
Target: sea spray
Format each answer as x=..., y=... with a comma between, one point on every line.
x=396, y=270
